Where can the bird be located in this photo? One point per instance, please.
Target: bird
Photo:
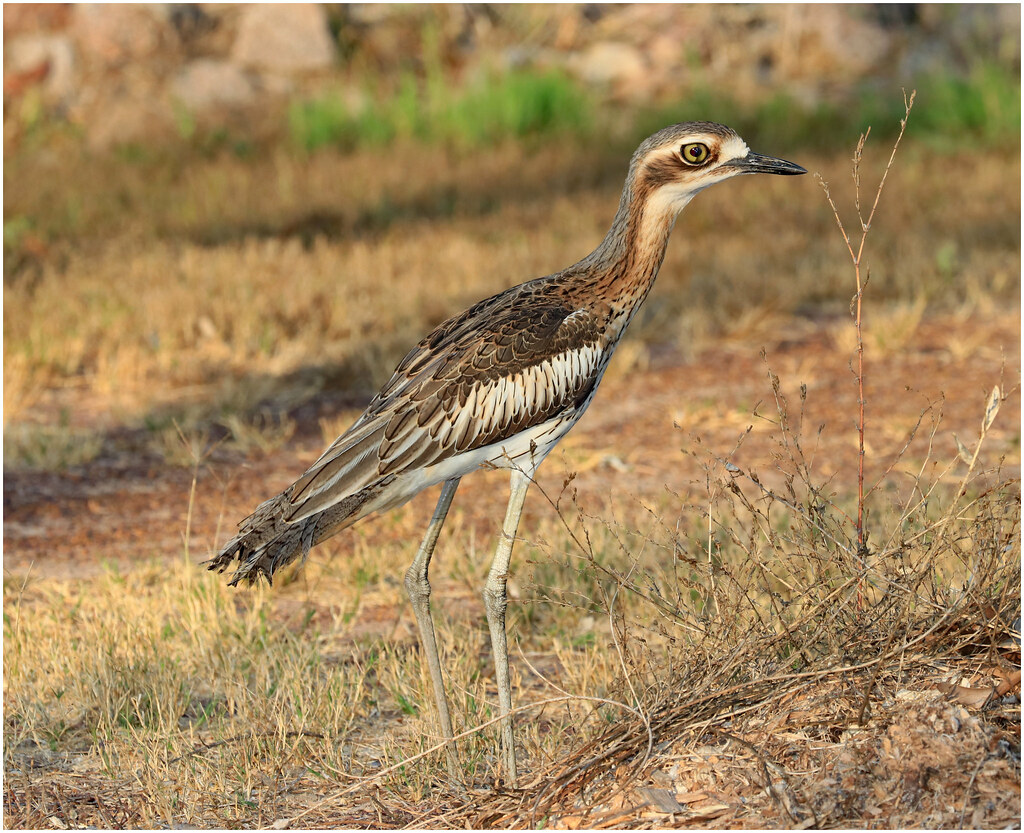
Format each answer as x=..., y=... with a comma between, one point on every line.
x=496, y=386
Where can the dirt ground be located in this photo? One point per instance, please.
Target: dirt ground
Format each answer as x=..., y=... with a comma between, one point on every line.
x=928, y=760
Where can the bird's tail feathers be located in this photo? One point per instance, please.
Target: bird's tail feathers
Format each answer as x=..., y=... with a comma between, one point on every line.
x=266, y=542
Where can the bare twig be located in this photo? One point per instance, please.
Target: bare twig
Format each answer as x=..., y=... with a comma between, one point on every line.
x=857, y=258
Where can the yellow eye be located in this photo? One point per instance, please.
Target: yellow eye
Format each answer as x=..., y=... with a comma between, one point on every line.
x=695, y=153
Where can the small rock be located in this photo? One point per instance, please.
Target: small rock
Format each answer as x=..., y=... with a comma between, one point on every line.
x=828, y=42
x=284, y=38
x=114, y=34
x=609, y=63
x=207, y=84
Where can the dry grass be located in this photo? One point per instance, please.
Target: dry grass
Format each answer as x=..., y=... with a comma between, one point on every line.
x=152, y=323
x=723, y=656
x=726, y=626
x=217, y=701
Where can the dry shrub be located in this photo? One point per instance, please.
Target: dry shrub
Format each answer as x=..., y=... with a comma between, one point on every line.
x=770, y=636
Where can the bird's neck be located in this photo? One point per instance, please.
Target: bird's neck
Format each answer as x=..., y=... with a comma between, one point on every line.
x=624, y=266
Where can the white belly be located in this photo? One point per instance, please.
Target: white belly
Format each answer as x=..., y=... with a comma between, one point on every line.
x=524, y=451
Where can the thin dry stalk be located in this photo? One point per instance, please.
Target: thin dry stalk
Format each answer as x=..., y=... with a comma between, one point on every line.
x=857, y=258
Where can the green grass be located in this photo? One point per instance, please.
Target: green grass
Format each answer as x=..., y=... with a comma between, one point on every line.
x=519, y=104
x=49, y=447
x=985, y=104
x=982, y=105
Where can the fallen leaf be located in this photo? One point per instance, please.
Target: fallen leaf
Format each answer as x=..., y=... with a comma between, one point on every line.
x=971, y=697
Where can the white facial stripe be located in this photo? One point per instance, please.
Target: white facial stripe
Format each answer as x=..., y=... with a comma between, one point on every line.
x=666, y=202
x=733, y=148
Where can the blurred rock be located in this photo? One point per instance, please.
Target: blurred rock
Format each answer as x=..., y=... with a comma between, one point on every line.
x=26, y=18
x=827, y=41
x=48, y=58
x=206, y=85
x=284, y=38
x=114, y=34
x=609, y=63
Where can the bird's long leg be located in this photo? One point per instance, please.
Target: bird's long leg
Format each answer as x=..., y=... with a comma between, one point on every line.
x=495, y=601
x=418, y=587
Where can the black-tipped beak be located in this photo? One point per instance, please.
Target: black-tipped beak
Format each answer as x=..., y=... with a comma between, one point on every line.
x=755, y=163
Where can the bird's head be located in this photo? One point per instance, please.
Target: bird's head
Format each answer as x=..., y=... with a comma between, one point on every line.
x=676, y=163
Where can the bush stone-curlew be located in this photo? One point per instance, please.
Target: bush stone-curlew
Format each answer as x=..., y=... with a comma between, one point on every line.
x=500, y=384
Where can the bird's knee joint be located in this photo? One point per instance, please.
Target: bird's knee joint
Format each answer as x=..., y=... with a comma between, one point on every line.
x=495, y=598
x=416, y=585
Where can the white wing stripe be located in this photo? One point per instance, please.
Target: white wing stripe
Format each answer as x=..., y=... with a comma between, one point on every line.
x=495, y=405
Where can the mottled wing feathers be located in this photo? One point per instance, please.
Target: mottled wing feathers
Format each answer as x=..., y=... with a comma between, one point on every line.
x=352, y=456
x=484, y=392
x=478, y=379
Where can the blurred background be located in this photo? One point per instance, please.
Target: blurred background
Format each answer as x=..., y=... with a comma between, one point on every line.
x=215, y=214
